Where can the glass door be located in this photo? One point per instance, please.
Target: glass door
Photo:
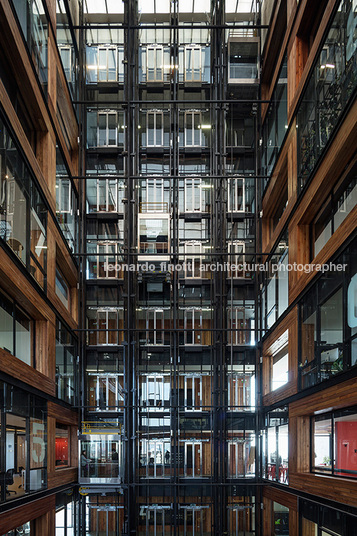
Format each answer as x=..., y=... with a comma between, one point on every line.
x=236, y=252
x=103, y=520
x=193, y=130
x=107, y=64
x=193, y=63
x=236, y=195
x=193, y=392
x=155, y=128
x=107, y=129
x=106, y=254
x=107, y=195
x=157, y=520
x=193, y=260
x=155, y=64
x=193, y=326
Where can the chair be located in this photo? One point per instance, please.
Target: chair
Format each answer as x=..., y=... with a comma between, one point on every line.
x=9, y=480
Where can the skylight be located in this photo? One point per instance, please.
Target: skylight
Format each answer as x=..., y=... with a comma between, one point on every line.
x=104, y=6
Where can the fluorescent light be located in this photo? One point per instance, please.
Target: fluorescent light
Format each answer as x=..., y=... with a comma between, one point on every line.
x=206, y=126
x=330, y=65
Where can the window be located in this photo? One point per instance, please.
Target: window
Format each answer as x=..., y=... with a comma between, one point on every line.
x=241, y=455
x=23, y=215
x=154, y=195
x=66, y=46
x=17, y=331
x=154, y=237
x=241, y=390
x=324, y=521
x=236, y=195
x=276, y=293
x=197, y=195
x=101, y=454
x=155, y=129
x=279, y=362
x=334, y=443
x=62, y=450
x=192, y=453
x=236, y=250
x=241, y=517
x=327, y=343
x=34, y=24
x=193, y=129
x=104, y=256
x=280, y=519
x=66, y=364
x=241, y=325
x=193, y=259
x=195, y=391
x=193, y=71
x=276, y=446
x=196, y=325
x=154, y=64
x=105, y=195
x=104, y=64
x=105, y=391
x=155, y=457
x=107, y=64
x=66, y=58
x=156, y=519
x=194, y=520
x=66, y=202
x=62, y=289
x=23, y=435
x=107, y=130
x=334, y=211
x=275, y=124
x=154, y=325
x=243, y=60
x=65, y=516
x=105, y=326
x=328, y=90
x=155, y=391
x=322, y=441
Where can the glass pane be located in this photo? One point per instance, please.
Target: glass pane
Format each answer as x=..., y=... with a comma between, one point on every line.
x=345, y=439
x=321, y=453
x=112, y=129
x=102, y=129
x=16, y=210
x=6, y=325
x=23, y=337
x=112, y=74
x=102, y=67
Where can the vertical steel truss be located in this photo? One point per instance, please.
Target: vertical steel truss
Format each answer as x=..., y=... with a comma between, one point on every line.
x=132, y=487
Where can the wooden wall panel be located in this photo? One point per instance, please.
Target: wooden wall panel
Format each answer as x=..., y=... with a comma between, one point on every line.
x=282, y=497
x=68, y=475
x=64, y=415
x=21, y=371
x=336, y=397
x=46, y=525
x=18, y=516
x=336, y=489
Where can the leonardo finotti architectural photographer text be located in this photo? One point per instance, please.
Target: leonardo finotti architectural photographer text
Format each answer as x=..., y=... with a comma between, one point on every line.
x=225, y=267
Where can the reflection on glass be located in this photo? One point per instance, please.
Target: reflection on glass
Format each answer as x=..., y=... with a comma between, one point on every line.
x=322, y=445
